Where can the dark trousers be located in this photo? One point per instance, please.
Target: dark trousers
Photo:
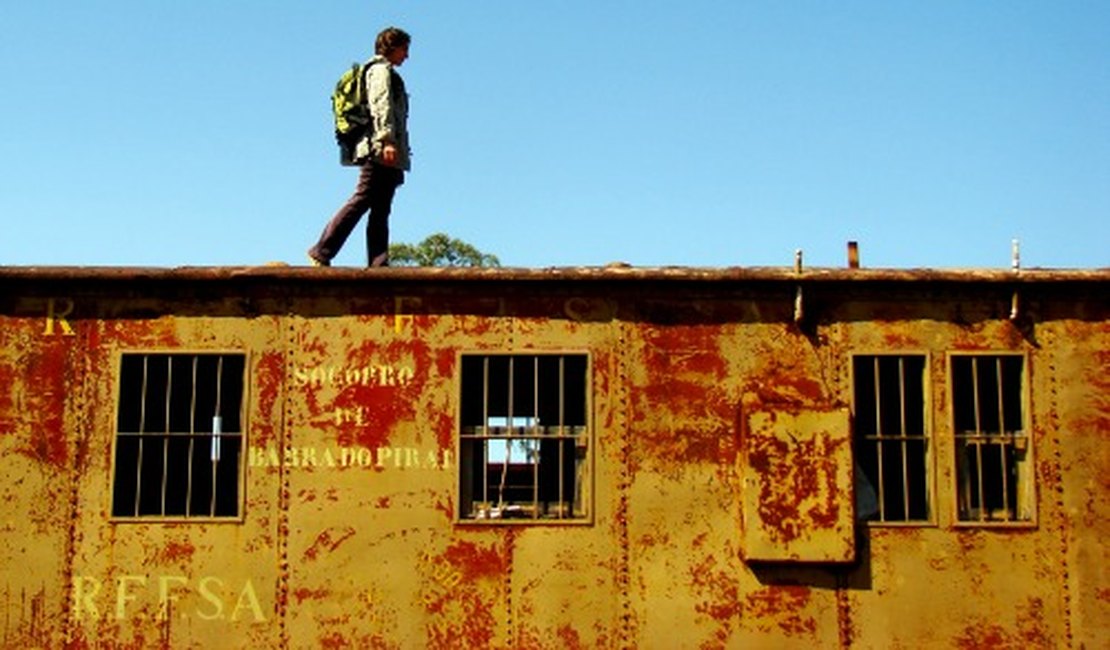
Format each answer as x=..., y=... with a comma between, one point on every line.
x=374, y=193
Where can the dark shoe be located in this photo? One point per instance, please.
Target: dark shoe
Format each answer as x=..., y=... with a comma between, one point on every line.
x=316, y=262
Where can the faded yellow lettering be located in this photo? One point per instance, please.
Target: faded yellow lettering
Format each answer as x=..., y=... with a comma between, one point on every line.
x=350, y=416
x=213, y=599
x=258, y=457
x=166, y=596
x=122, y=595
x=252, y=601
x=367, y=375
x=83, y=600
x=54, y=315
x=378, y=457
x=429, y=598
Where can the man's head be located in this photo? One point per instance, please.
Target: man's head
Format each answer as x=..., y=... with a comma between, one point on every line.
x=393, y=44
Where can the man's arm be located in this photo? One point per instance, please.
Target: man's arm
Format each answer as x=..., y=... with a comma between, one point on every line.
x=383, y=143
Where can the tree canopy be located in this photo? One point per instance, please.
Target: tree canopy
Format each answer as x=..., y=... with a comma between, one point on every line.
x=439, y=249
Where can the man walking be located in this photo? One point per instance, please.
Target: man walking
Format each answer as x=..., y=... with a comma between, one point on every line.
x=383, y=154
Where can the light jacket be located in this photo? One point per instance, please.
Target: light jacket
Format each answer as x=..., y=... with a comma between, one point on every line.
x=389, y=111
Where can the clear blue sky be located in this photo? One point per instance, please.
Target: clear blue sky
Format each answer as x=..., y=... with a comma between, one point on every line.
x=697, y=133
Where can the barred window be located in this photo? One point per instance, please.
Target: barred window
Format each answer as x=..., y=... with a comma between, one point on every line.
x=993, y=461
x=524, y=437
x=892, y=442
x=179, y=435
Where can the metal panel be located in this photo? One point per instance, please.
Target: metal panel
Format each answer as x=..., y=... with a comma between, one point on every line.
x=798, y=501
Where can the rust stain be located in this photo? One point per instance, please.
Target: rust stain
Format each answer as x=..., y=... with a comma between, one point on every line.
x=384, y=408
x=328, y=541
x=302, y=594
x=446, y=506
x=176, y=552
x=720, y=597
x=270, y=378
x=1032, y=627
x=48, y=376
x=899, y=340
x=786, y=486
x=8, y=386
x=782, y=387
x=476, y=562
x=970, y=541
x=568, y=637
x=687, y=372
x=444, y=432
x=334, y=640
x=445, y=360
x=140, y=334
x=784, y=606
x=983, y=636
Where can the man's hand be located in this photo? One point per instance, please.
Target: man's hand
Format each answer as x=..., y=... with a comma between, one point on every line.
x=389, y=154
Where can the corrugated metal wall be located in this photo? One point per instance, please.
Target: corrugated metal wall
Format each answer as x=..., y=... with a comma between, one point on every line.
x=719, y=483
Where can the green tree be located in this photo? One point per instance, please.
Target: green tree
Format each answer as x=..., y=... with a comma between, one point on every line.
x=439, y=249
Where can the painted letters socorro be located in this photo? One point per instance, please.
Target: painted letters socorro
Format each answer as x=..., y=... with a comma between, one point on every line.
x=339, y=375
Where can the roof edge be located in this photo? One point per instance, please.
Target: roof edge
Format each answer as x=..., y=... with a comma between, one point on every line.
x=578, y=273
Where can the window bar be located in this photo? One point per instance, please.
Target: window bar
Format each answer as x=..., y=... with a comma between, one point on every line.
x=535, y=439
x=561, y=507
x=978, y=438
x=142, y=427
x=508, y=440
x=192, y=442
x=879, y=441
x=166, y=438
x=485, y=433
x=216, y=421
x=1003, y=441
x=905, y=438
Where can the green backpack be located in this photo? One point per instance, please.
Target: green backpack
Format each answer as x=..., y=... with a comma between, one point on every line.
x=349, y=105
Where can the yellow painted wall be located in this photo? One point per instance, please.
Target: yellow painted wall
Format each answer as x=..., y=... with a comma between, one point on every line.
x=349, y=535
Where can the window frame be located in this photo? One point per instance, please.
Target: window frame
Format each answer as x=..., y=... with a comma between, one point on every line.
x=1030, y=491
x=587, y=481
x=243, y=434
x=930, y=437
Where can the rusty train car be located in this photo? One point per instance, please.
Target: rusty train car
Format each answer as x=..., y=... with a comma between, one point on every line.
x=554, y=458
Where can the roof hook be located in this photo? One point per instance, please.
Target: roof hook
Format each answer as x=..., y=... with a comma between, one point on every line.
x=799, y=308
